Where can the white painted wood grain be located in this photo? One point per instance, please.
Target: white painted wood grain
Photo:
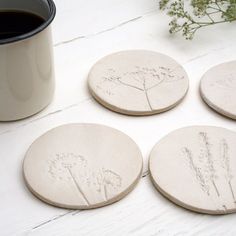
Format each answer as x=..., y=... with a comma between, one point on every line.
x=107, y=26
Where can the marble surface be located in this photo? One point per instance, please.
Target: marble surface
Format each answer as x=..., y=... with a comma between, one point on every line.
x=85, y=31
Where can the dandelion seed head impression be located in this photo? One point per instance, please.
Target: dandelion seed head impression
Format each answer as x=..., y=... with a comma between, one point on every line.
x=68, y=167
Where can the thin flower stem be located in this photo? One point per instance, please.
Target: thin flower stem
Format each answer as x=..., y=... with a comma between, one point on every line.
x=78, y=187
x=189, y=21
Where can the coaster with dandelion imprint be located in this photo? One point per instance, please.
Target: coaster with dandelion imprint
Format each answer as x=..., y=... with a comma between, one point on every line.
x=218, y=89
x=138, y=82
x=195, y=168
x=82, y=166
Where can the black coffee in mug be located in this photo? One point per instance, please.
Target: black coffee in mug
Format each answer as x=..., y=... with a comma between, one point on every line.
x=15, y=23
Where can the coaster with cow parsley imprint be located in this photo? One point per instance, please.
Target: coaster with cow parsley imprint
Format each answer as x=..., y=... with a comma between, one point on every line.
x=138, y=82
x=82, y=166
x=218, y=89
x=195, y=168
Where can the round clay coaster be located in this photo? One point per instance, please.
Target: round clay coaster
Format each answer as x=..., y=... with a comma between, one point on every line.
x=218, y=88
x=138, y=82
x=195, y=166
x=82, y=166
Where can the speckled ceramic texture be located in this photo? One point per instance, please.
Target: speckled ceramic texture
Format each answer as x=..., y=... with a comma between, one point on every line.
x=82, y=166
x=138, y=82
x=218, y=88
x=195, y=168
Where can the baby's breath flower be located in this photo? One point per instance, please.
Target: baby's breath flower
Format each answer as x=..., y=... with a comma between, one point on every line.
x=190, y=15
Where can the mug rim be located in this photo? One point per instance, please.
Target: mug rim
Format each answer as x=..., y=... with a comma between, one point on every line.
x=52, y=9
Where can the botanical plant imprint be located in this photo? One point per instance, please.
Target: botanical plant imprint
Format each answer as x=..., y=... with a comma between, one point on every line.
x=229, y=82
x=75, y=168
x=141, y=79
x=207, y=169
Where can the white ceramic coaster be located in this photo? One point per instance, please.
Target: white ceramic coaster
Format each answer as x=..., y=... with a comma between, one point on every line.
x=138, y=82
x=82, y=166
x=195, y=168
x=218, y=88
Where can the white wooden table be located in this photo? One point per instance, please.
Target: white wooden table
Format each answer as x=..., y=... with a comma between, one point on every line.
x=83, y=32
